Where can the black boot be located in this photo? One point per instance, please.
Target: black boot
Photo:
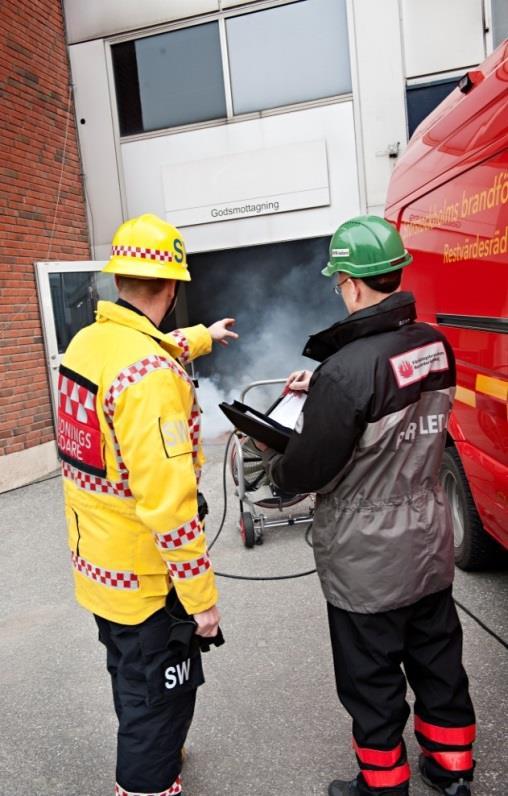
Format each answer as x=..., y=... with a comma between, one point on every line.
x=357, y=787
x=340, y=787
x=459, y=787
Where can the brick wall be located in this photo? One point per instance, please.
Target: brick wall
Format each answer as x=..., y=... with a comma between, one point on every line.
x=42, y=209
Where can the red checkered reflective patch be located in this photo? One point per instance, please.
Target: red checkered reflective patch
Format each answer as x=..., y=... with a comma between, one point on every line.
x=189, y=569
x=113, y=579
x=179, y=536
x=143, y=253
x=184, y=345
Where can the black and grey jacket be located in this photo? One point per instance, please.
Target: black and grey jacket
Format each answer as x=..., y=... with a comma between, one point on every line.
x=370, y=441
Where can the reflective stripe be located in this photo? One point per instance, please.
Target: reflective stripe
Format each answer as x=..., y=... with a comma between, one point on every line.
x=93, y=483
x=452, y=736
x=183, y=343
x=189, y=569
x=195, y=428
x=142, y=253
x=108, y=577
x=451, y=761
x=133, y=374
x=377, y=757
x=175, y=788
x=387, y=779
x=179, y=536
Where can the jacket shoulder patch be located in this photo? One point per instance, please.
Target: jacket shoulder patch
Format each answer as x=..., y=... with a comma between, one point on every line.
x=416, y=364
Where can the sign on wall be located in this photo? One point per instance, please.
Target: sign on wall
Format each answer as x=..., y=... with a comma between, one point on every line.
x=246, y=184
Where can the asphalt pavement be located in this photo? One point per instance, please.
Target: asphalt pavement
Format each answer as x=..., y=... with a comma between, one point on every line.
x=267, y=721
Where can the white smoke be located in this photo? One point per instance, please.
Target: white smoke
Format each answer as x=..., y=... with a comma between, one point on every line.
x=213, y=421
x=276, y=309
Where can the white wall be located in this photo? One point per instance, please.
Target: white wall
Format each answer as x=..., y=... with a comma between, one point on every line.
x=380, y=92
x=93, y=19
x=101, y=175
x=145, y=160
x=442, y=35
x=391, y=41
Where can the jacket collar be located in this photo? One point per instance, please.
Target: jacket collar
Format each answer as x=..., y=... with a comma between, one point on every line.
x=389, y=315
x=134, y=319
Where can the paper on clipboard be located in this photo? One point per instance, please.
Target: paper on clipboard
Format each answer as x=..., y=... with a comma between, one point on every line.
x=288, y=409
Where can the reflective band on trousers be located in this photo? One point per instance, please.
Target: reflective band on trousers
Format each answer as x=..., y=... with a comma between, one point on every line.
x=451, y=736
x=378, y=757
x=179, y=536
x=175, y=788
x=108, y=577
x=386, y=779
x=451, y=761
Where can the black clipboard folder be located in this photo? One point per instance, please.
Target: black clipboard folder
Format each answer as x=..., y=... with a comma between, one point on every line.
x=257, y=425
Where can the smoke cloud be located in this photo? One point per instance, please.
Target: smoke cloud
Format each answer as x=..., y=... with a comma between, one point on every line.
x=278, y=297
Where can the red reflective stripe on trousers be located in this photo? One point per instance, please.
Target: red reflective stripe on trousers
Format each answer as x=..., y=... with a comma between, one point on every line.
x=452, y=761
x=452, y=736
x=387, y=779
x=377, y=757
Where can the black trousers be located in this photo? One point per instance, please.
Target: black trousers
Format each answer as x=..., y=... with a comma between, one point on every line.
x=154, y=674
x=369, y=651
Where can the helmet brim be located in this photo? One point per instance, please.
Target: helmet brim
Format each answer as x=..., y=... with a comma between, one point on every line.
x=124, y=266
x=373, y=269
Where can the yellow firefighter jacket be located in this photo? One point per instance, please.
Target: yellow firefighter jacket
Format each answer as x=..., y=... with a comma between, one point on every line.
x=128, y=437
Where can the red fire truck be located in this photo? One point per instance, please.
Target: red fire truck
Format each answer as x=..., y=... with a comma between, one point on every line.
x=448, y=196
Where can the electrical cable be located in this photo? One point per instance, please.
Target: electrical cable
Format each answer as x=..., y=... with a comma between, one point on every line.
x=265, y=577
x=309, y=542
x=482, y=625
x=221, y=527
x=224, y=492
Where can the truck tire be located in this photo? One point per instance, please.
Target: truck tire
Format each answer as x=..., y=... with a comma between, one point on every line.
x=474, y=550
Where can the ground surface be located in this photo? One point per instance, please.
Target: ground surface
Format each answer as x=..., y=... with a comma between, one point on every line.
x=267, y=722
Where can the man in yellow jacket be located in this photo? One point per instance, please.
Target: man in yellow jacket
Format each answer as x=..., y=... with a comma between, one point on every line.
x=129, y=441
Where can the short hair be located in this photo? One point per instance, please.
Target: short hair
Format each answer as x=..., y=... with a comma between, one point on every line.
x=143, y=287
x=384, y=283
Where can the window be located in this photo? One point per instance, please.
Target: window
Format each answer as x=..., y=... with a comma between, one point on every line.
x=422, y=99
x=499, y=21
x=280, y=56
x=288, y=54
x=170, y=79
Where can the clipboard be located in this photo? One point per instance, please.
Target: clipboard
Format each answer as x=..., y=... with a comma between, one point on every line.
x=257, y=425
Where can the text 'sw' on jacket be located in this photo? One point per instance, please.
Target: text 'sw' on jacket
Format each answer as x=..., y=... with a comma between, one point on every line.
x=129, y=440
x=370, y=442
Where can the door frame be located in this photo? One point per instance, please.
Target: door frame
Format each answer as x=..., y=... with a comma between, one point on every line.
x=43, y=269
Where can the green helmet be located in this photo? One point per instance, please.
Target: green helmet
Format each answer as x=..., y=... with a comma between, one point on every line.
x=366, y=246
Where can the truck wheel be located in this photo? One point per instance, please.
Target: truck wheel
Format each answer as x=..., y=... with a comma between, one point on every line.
x=474, y=550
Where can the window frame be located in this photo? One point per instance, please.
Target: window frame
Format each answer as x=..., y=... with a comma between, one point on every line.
x=231, y=117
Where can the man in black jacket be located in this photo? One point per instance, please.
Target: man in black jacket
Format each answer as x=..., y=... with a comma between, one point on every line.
x=370, y=441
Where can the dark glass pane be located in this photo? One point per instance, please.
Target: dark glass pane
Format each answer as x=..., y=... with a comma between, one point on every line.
x=170, y=79
x=312, y=64
x=421, y=100
x=74, y=296
x=125, y=70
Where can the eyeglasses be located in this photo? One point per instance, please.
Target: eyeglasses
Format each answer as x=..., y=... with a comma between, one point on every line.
x=338, y=286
